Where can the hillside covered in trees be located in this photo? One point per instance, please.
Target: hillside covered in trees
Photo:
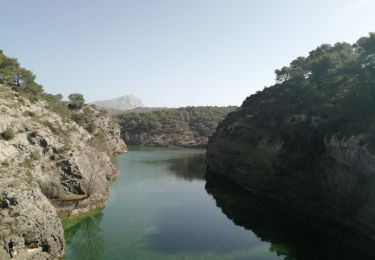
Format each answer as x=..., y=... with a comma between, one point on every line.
x=310, y=138
x=188, y=126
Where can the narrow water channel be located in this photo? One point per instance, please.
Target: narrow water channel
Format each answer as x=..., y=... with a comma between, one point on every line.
x=161, y=207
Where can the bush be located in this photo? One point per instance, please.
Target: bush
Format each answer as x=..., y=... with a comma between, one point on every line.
x=51, y=127
x=29, y=176
x=29, y=113
x=7, y=134
x=91, y=127
x=27, y=163
x=35, y=155
x=5, y=163
x=79, y=118
x=58, y=106
x=76, y=101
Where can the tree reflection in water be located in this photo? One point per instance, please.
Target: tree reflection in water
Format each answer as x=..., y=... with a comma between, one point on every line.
x=292, y=234
x=189, y=167
x=87, y=234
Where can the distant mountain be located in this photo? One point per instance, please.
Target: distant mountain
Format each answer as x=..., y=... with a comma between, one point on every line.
x=122, y=103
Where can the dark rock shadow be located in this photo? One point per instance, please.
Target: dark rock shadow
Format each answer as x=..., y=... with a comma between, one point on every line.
x=183, y=230
x=292, y=233
x=189, y=167
x=193, y=225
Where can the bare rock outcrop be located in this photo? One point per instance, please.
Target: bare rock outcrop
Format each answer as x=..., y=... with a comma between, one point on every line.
x=53, y=167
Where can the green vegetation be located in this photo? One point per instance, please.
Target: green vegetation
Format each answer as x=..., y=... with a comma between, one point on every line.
x=58, y=106
x=23, y=81
x=29, y=176
x=177, y=124
x=27, y=163
x=36, y=155
x=79, y=118
x=5, y=163
x=76, y=101
x=293, y=139
x=51, y=127
x=85, y=118
x=29, y=113
x=7, y=134
x=91, y=127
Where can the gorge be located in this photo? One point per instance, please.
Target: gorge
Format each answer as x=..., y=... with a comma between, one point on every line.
x=287, y=175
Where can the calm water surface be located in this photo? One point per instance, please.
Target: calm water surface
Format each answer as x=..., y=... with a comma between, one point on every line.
x=161, y=207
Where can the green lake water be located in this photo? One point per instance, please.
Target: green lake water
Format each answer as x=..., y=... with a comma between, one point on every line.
x=161, y=207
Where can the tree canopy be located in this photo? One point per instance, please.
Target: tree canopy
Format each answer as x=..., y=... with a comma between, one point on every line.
x=76, y=100
x=179, y=122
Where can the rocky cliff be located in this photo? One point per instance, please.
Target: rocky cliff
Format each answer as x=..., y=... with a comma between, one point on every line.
x=308, y=140
x=50, y=166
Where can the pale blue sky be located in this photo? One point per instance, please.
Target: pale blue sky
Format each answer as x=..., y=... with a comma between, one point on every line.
x=172, y=52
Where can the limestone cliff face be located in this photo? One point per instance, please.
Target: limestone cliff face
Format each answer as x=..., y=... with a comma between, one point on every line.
x=49, y=166
x=308, y=140
x=111, y=131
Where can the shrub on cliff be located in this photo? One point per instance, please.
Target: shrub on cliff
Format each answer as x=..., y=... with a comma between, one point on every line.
x=7, y=135
x=76, y=101
x=56, y=104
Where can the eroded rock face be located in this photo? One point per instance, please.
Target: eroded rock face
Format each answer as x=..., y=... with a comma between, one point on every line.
x=112, y=132
x=29, y=228
x=53, y=167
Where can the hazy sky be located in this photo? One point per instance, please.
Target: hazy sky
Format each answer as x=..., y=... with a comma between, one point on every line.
x=172, y=52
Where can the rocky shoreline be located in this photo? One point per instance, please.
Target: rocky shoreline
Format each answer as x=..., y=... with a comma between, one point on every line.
x=53, y=167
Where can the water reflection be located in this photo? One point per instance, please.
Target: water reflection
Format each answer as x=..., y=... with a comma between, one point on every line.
x=189, y=167
x=85, y=231
x=292, y=234
x=194, y=225
x=161, y=207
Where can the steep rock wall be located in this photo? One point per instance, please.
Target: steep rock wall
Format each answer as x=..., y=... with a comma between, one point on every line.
x=50, y=167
